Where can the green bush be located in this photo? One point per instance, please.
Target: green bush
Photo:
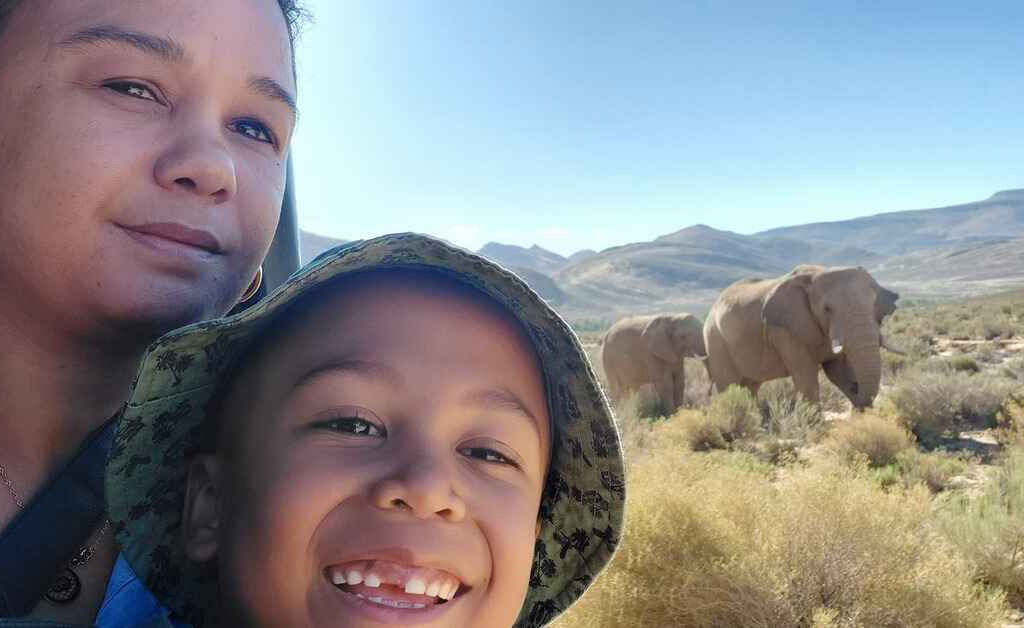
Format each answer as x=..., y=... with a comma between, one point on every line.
x=787, y=415
x=989, y=530
x=964, y=364
x=735, y=414
x=934, y=470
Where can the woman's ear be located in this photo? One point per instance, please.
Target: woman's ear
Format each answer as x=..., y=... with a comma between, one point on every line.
x=201, y=515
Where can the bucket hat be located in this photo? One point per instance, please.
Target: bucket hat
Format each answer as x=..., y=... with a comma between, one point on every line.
x=161, y=428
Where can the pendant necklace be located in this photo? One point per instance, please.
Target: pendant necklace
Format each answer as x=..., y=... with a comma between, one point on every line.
x=67, y=585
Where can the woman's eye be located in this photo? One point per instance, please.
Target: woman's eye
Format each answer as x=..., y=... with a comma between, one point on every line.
x=135, y=90
x=488, y=455
x=355, y=426
x=254, y=130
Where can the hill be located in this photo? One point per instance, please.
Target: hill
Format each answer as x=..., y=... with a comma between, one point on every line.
x=997, y=218
x=534, y=258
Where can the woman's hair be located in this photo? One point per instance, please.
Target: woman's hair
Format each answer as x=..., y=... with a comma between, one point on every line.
x=293, y=12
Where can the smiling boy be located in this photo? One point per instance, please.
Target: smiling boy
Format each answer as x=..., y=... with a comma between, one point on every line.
x=414, y=438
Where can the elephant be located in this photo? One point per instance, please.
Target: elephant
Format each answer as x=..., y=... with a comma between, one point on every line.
x=760, y=330
x=649, y=350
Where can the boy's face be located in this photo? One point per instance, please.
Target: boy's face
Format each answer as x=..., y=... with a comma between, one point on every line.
x=142, y=155
x=386, y=451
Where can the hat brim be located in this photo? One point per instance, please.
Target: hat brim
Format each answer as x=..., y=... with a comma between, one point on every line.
x=162, y=425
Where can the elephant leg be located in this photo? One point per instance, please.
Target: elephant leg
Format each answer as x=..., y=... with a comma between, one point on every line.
x=721, y=370
x=664, y=385
x=800, y=365
x=678, y=388
x=752, y=386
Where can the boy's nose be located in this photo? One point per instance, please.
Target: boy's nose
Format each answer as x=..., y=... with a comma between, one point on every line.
x=423, y=489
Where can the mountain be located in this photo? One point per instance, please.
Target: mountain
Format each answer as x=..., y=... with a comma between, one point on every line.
x=312, y=244
x=687, y=269
x=533, y=258
x=955, y=271
x=972, y=248
x=998, y=218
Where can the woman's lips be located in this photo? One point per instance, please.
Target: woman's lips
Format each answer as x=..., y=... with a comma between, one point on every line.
x=177, y=233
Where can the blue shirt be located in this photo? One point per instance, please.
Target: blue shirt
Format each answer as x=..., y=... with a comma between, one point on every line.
x=129, y=604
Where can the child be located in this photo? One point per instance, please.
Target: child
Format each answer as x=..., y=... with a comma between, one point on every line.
x=403, y=433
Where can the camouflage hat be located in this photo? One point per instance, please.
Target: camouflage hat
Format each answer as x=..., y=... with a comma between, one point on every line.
x=582, y=506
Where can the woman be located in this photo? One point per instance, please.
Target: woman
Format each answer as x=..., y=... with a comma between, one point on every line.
x=142, y=167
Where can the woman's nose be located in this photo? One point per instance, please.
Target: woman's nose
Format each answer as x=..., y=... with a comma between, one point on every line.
x=198, y=164
x=423, y=487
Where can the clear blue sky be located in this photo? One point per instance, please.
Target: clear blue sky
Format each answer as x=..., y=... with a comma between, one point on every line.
x=586, y=124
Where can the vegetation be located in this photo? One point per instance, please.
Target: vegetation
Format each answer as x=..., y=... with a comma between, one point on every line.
x=785, y=513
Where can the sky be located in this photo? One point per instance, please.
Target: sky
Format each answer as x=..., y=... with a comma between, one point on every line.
x=582, y=124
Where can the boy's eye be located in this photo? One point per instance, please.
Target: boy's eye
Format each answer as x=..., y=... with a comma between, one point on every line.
x=135, y=90
x=254, y=130
x=355, y=426
x=488, y=455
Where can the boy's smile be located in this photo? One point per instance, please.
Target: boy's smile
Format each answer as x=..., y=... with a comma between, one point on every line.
x=381, y=460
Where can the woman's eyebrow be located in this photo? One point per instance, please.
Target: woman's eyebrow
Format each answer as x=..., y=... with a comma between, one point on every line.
x=167, y=50
x=164, y=48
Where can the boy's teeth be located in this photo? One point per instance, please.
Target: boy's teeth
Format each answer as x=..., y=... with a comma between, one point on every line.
x=371, y=581
x=434, y=589
x=453, y=588
x=415, y=586
x=354, y=576
x=337, y=577
x=447, y=591
x=393, y=603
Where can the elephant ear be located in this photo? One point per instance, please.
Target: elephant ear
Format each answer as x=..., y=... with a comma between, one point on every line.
x=885, y=303
x=657, y=335
x=788, y=307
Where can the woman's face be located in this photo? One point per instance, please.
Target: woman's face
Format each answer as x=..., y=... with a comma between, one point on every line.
x=142, y=156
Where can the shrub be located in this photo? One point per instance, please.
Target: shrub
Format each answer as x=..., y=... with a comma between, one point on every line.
x=700, y=431
x=787, y=415
x=825, y=546
x=964, y=364
x=876, y=438
x=989, y=530
x=644, y=403
x=735, y=413
x=930, y=402
x=934, y=470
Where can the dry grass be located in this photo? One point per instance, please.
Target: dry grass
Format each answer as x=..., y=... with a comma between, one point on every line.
x=730, y=547
x=875, y=438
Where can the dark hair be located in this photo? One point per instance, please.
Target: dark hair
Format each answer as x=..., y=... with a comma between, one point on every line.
x=293, y=12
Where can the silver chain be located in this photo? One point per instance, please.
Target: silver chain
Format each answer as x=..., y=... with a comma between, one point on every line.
x=10, y=487
x=85, y=553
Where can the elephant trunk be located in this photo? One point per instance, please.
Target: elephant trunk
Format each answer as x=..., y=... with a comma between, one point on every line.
x=863, y=355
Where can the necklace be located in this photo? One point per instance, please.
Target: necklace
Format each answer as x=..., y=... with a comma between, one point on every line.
x=67, y=585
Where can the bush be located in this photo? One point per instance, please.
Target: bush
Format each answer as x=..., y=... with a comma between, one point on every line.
x=931, y=402
x=787, y=415
x=825, y=546
x=989, y=530
x=700, y=431
x=643, y=404
x=934, y=470
x=964, y=364
x=735, y=413
x=876, y=438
